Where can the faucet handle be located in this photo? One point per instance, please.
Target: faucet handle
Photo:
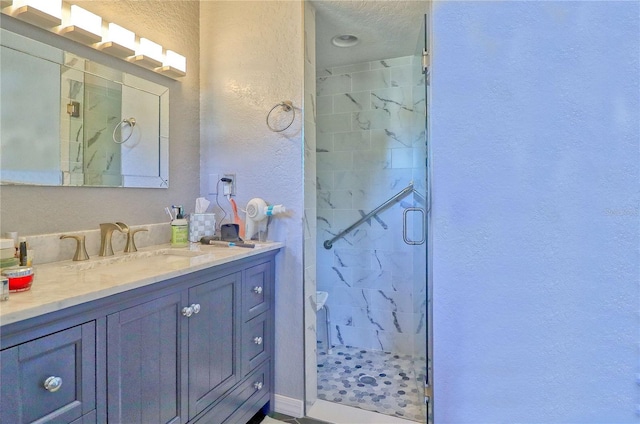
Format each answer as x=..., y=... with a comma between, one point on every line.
x=123, y=227
x=131, y=244
x=81, y=251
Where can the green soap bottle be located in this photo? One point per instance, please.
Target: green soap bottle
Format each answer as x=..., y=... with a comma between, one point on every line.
x=179, y=230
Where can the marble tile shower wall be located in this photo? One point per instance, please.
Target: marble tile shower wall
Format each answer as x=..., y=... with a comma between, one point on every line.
x=370, y=145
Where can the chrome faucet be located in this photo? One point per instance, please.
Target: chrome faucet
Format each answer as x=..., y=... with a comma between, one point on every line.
x=106, y=230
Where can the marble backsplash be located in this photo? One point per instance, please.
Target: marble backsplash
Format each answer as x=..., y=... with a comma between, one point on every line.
x=50, y=248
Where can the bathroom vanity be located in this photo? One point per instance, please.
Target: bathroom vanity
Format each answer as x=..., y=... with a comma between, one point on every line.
x=161, y=336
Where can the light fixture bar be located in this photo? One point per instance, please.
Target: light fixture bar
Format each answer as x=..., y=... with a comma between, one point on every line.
x=148, y=54
x=43, y=13
x=82, y=26
x=78, y=24
x=174, y=65
x=118, y=42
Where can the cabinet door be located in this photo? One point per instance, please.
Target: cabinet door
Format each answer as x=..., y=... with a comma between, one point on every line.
x=213, y=356
x=144, y=351
x=51, y=379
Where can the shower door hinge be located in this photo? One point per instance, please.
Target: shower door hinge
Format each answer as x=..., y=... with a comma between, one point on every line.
x=425, y=62
x=428, y=392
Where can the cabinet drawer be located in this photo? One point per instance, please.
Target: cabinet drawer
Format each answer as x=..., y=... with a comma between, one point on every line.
x=51, y=379
x=256, y=290
x=242, y=399
x=256, y=342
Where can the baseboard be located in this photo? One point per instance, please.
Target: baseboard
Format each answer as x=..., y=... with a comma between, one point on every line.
x=288, y=406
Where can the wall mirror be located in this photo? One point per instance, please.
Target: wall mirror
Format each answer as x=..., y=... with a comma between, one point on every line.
x=69, y=121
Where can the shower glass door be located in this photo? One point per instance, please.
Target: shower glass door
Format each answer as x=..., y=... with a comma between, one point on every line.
x=371, y=145
x=422, y=200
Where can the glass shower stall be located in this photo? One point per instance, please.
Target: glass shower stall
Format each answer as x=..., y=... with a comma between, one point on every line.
x=371, y=235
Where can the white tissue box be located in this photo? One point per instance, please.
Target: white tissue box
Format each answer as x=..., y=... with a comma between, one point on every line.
x=200, y=225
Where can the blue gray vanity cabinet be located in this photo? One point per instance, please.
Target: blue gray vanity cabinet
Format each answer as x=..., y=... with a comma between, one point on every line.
x=182, y=350
x=50, y=379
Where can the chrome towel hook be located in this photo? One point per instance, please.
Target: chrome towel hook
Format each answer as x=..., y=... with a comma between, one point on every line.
x=286, y=106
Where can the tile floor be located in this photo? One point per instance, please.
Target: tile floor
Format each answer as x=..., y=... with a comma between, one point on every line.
x=376, y=381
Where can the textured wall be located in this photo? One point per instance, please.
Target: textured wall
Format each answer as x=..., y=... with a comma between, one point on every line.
x=535, y=138
x=252, y=59
x=36, y=210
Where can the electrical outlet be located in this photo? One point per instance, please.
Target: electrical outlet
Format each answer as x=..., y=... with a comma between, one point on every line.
x=229, y=188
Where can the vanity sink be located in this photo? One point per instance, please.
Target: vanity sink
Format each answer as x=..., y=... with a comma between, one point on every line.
x=146, y=257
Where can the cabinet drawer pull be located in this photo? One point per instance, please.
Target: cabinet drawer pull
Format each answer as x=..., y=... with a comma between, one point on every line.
x=257, y=290
x=53, y=384
x=257, y=340
x=187, y=311
x=257, y=385
x=195, y=307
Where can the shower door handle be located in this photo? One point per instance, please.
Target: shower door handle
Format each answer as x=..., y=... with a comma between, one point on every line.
x=422, y=224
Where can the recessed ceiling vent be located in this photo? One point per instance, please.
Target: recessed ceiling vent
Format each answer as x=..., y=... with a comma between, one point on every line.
x=346, y=40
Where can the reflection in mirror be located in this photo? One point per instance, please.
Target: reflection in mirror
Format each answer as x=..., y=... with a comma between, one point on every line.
x=69, y=121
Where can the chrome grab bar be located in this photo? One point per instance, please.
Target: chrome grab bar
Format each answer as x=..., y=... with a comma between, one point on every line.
x=328, y=244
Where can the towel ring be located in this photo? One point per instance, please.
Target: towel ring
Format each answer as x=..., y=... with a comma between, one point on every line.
x=131, y=122
x=286, y=106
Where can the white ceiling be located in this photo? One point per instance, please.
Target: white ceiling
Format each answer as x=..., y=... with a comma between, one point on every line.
x=386, y=29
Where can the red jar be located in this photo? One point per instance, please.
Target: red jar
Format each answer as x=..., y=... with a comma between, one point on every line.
x=20, y=278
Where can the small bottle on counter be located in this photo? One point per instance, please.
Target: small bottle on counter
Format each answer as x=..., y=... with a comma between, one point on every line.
x=23, y=251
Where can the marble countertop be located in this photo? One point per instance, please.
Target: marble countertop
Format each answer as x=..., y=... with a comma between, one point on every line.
x=60, y=285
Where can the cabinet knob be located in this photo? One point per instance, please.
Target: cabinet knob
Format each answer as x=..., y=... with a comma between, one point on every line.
x=192, y=309
x=53, y=384
x=257, y=290
x=257, y=340
x=258, y=385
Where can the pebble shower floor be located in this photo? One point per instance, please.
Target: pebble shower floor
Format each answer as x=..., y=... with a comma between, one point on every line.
x=373, y=380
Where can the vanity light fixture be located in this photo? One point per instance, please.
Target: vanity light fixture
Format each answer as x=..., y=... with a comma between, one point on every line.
x=174, y=65
x=81, y=25
x=78, y=24
x=148, y=54
x=43, y=13
x=119, y=42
